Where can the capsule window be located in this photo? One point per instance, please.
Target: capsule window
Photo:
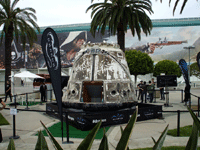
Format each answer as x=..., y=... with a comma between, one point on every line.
x=113, y=92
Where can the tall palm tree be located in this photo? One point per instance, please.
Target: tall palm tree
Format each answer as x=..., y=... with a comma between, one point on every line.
x=119, y=15
x=18, y=23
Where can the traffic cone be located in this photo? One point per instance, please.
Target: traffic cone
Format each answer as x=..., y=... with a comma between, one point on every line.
x=1, y=138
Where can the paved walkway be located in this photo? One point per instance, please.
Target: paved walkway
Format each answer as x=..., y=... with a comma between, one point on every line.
x=28, y=123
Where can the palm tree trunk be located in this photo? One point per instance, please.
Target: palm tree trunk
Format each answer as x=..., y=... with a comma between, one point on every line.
x=121, y=36
x=8, y=43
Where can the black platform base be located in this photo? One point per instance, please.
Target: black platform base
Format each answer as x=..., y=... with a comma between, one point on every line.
x=14, y=137
x=149, y=111
x=85, y=120
x=69, y=142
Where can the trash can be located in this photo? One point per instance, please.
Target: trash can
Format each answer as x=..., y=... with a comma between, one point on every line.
x=49, y=93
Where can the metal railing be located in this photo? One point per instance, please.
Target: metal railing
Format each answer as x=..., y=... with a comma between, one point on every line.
x=154, y=98
x=29, y=97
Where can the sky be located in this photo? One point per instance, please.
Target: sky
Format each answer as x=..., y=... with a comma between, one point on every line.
x=63, y=12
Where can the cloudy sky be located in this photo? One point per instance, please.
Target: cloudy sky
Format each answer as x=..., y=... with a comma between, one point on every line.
x=62, y=12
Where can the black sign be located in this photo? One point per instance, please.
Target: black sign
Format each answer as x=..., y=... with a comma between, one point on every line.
x=51, y=52
x=184, y=69
x=166, y=81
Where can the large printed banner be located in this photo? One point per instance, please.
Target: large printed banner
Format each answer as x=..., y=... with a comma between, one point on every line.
x=163, y=43
x=51, y=52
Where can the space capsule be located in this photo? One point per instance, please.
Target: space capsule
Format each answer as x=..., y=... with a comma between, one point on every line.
x=100, y=74
x=99, y=87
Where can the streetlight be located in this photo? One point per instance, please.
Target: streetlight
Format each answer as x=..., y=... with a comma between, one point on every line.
x=189, y=47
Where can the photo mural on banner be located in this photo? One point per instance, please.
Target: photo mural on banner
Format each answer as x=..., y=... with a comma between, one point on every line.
x=163, y=43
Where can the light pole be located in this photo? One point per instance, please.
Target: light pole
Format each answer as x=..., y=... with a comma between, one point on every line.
x=189, y=47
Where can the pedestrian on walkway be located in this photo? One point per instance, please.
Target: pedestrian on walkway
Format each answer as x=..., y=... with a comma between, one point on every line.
x=162, y=95
x=144, y=92
x=140, y=90
x=22, y=82
x=43, y=89
x=4, y=106
x=150, y=89
x=8, y=91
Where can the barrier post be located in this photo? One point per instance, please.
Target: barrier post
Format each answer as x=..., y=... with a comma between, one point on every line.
x=26, y=101
x=182, y=96
x=154, y=96
x=51, y=95
x=178, y=122
x=14, y=129
x=198, y=105
x=67, y=129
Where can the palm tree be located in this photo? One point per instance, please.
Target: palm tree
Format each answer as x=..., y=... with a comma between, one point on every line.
x=119, y=15
x=175, y=5
x=19, y=23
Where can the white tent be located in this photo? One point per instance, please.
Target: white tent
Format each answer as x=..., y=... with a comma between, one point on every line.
x=26, y=74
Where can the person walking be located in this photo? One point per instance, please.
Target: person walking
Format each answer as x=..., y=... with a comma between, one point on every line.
x=22, y=82
x=8, y=91
x=140, y=90
x=162, y=95
x=1, y=108
x=144, y=92
x=43, y=89
x=150, y=89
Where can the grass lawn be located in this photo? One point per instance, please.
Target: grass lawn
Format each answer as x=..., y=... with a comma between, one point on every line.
x=184, y=131
x=167, y=148
x=29, y=103
x=73, y=132
x=3, y=121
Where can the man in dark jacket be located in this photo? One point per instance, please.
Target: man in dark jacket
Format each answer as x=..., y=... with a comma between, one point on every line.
x=43, y=89
x=140, y=89
x=144, y=92
x=150, y=89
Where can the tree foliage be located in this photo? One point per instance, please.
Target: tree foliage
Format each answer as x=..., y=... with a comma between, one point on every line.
x=139, y=63
x=176, y=4
x=19, y=23
x=120, y=15
x=194, y=70
x=168, y=67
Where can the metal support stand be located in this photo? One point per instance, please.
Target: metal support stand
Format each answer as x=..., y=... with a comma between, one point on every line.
x=198, y=105
x=26, y=102
x=67, y=130
x=51, y=95
x=154, y=96
x=14, y=129
x=182, y=96
x=167, y=98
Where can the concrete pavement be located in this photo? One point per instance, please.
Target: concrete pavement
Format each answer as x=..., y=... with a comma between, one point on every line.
x=28, y=124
